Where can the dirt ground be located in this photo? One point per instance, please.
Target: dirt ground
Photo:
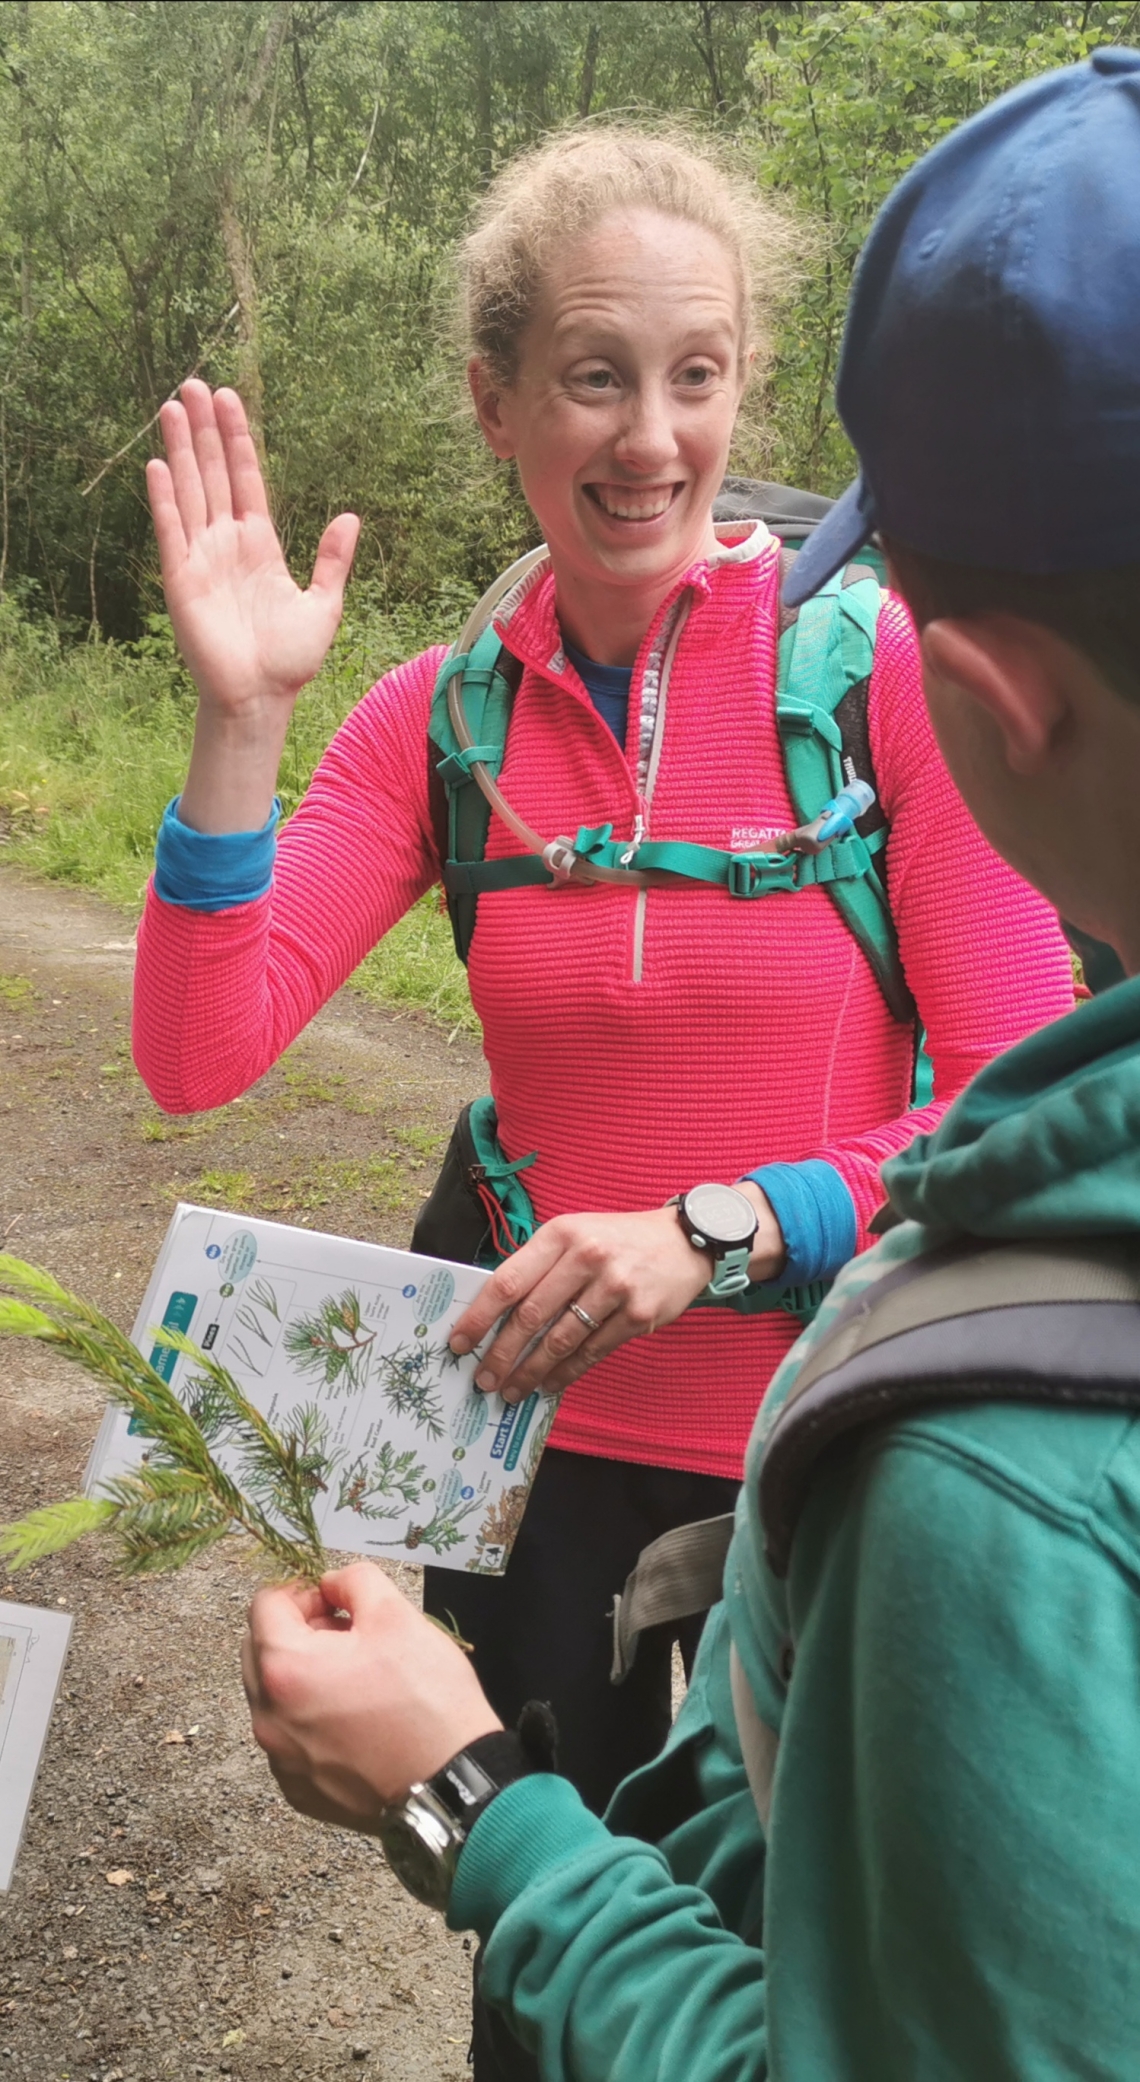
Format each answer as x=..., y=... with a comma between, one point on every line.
x=242, y=1941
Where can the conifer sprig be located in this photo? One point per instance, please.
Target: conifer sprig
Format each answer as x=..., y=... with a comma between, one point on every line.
x=180, y=1500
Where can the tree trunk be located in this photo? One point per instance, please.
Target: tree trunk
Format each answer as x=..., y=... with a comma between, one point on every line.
x=704, y=36
x=25, y=161
x=239, y=260
x=589, y=70
x=484, y=91
x=236, y=242
x=3, y=497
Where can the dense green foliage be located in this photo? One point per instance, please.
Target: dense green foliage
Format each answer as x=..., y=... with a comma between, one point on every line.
x=268, y=191
x=95, y=738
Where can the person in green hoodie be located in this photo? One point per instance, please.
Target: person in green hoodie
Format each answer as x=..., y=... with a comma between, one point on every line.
x=895, y=1832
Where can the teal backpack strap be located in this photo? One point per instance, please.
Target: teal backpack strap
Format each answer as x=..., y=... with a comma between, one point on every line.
x=517, y=1220
x=828, y=650
x=461, y=813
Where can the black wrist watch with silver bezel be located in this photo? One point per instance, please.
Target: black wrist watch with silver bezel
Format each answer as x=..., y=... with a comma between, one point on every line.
x=721, y=1220
x=423, y=1834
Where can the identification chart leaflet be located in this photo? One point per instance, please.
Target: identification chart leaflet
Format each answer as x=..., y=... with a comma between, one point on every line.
x=33, y=1644
x=412, y=1460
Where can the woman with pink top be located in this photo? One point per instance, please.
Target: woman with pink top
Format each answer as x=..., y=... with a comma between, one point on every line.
x=643, y=1041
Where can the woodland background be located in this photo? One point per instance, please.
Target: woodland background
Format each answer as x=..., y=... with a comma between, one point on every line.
x=267, y=192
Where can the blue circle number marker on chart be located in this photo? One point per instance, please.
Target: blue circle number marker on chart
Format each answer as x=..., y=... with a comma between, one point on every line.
x=409, y=1293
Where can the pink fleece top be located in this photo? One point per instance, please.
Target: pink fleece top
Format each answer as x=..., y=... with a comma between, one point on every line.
x=638, y=1041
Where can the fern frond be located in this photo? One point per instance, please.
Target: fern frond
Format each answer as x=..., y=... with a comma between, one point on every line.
x=51, y=1528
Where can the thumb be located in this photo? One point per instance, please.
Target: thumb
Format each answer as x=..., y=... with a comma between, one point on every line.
x=279, y=1612
x=335, y=552
x=362, y=1590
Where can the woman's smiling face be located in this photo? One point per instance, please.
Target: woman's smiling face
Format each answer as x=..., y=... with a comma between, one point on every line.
x=622, y=411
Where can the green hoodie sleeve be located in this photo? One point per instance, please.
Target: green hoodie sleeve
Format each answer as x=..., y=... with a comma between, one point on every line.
x=607, y=1968
x=621, y=1959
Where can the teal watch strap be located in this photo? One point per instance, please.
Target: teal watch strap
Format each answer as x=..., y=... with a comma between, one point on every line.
x=731, y=1275
x=720, y=1219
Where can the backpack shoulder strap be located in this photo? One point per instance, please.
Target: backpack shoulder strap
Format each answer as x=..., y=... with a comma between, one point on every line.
x=826, y=657
x=972, y=1322
x=460, y=812
x=678, y=1575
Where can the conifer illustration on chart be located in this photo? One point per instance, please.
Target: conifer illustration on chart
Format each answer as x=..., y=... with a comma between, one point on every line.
x=344, y=1349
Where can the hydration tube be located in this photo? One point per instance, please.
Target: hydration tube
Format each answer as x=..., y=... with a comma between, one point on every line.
x=564, y=863
x=835, y=820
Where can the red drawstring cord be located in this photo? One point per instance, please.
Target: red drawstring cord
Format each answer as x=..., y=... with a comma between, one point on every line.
x=501, y=1238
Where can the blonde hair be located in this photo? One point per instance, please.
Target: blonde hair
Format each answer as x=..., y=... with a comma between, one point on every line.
x=561, y=188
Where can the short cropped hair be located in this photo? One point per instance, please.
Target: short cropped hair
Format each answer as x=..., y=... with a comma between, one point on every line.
x=1098, y=612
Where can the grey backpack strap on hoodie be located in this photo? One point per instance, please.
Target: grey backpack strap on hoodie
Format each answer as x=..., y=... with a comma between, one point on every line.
x=677, y=1576
x=1050, y=1323
x=1055, y=1322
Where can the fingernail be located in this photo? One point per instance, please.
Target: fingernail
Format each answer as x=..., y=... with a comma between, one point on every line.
x=485, y=1379
x=460, y=1345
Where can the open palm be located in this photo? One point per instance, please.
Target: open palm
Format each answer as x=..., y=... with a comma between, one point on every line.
x=245, y=628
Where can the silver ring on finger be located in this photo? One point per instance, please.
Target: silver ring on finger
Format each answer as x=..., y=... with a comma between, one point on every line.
x=584, y=1316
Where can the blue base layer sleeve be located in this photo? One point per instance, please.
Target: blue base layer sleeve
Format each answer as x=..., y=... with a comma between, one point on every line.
x=213, y=871
x=817, y=1215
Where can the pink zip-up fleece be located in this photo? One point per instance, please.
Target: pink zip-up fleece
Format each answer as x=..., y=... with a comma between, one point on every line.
x=640, y=1041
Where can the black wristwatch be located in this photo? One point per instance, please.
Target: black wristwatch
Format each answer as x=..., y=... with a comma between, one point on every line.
x=721, y=1220
x=423, y=1834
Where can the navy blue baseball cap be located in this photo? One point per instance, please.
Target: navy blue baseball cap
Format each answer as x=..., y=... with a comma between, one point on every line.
x=990, y=372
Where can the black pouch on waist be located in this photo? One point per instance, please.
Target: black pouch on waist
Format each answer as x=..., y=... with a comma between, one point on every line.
x=453, y=1221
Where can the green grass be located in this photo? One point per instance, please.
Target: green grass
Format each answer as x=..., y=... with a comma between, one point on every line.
x=383, y=1182
x=94, y=741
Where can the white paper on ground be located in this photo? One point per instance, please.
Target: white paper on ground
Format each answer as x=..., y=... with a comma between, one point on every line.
x=33, y=1644
x=414, y=1462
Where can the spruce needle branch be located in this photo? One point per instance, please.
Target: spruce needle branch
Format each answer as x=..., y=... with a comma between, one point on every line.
x=181, y=1499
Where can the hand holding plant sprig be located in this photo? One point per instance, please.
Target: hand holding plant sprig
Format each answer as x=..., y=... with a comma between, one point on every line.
x=180, y=1500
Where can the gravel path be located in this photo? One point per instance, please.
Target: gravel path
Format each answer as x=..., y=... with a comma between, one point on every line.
x=242, y=1941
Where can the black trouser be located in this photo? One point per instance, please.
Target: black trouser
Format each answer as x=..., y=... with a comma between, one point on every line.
x=543, y=1631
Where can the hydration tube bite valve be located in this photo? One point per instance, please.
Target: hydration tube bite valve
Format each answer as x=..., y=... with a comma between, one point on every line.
x=835, y=820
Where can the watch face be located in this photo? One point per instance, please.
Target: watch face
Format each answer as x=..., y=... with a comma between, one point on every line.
x=721, y=1214
x=421, y=1851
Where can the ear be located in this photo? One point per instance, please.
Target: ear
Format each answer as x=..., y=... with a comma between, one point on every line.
x=1002, y=664
x=489, y=410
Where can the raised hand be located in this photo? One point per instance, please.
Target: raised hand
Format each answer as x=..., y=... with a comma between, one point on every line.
x=249, y=635
x=245, y=628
